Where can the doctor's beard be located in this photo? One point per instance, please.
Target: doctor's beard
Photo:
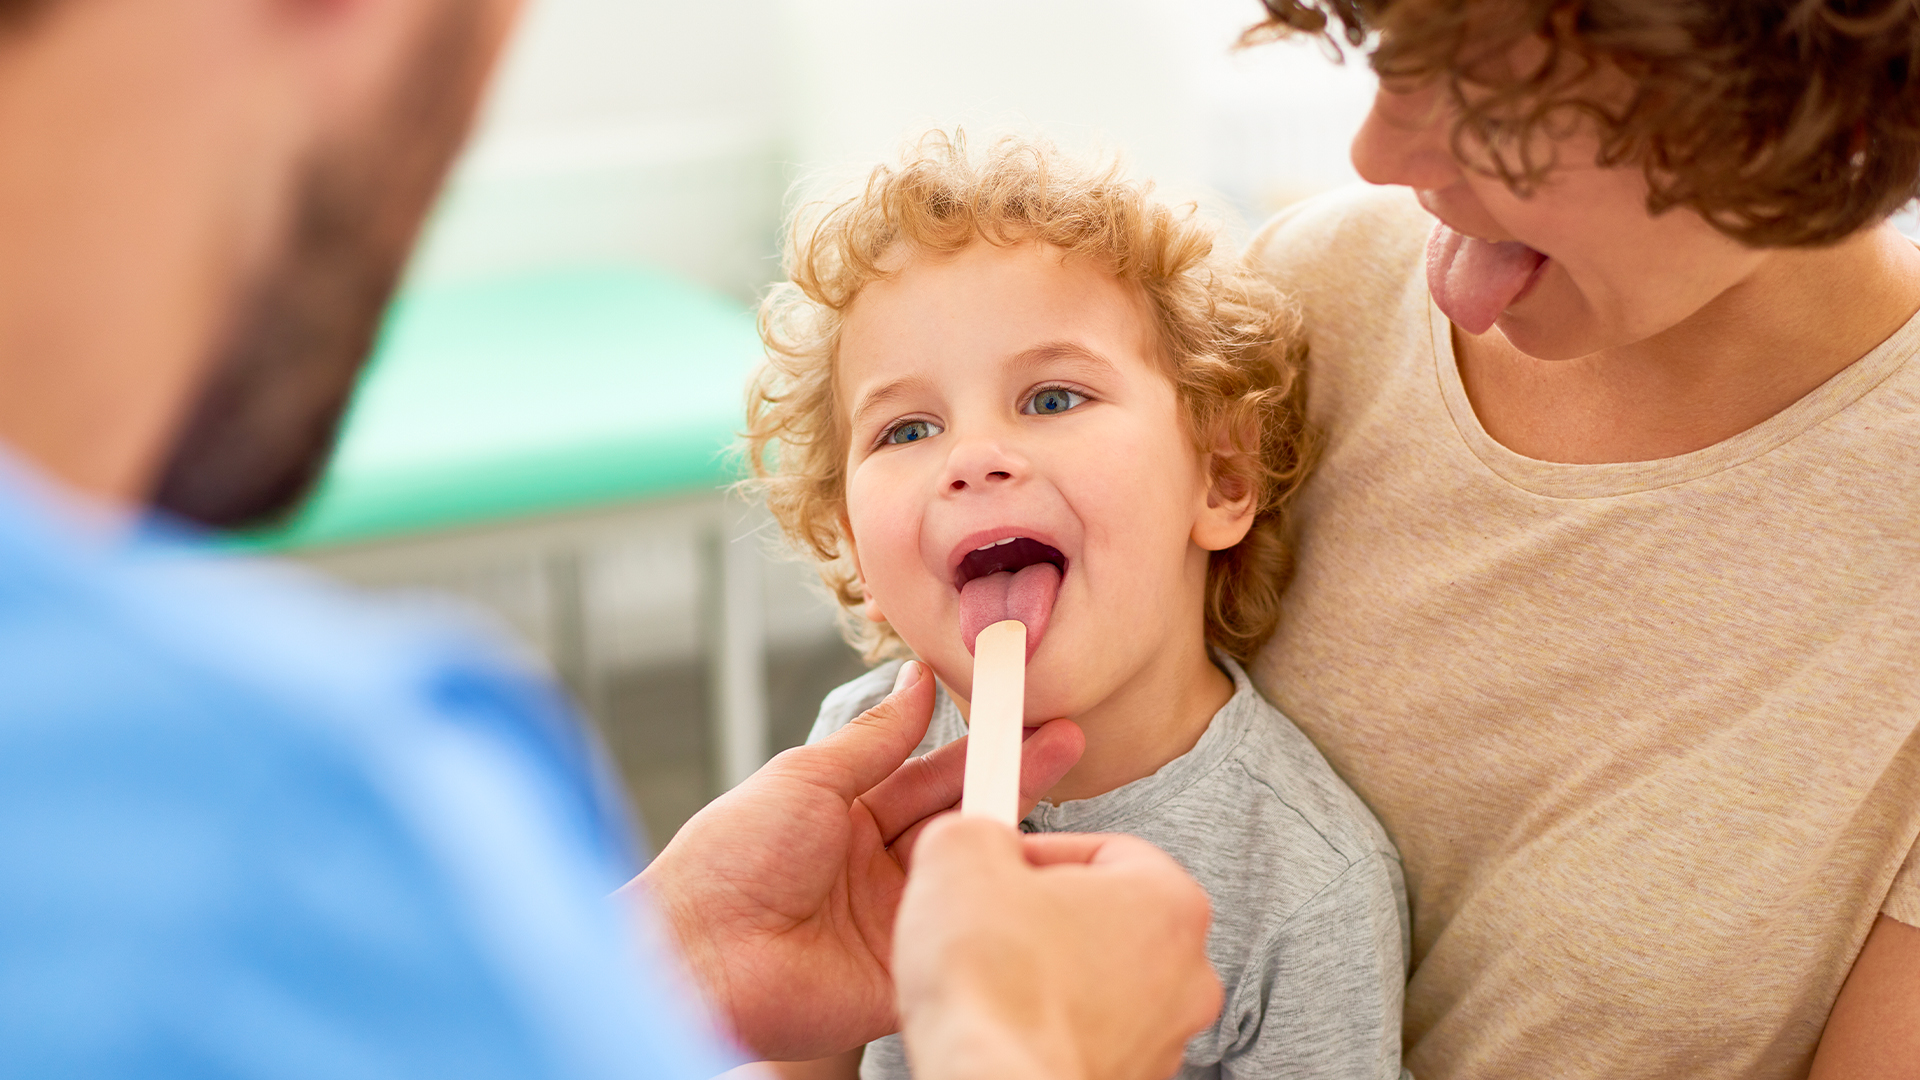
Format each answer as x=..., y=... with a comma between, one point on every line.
x=264, y=423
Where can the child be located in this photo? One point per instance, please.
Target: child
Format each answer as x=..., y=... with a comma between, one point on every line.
x=1016, y=387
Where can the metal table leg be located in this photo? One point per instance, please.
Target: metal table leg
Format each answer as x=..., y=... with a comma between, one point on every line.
x=736, y=647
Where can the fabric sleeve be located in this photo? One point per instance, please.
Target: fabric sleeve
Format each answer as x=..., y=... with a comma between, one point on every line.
x=885, y=1059
x=1337, y=239
x=1322, y=999
x=850, y=699
x=1903, y=899
x=1272, y=249
x=205, y=879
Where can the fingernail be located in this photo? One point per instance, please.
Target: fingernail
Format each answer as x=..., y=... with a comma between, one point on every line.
x=909, y=674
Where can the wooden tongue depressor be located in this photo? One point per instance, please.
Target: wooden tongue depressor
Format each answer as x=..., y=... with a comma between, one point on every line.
x=992, y=785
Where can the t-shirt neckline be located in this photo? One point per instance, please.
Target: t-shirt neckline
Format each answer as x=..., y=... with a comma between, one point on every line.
x=1115, y=810
x=1565, y=481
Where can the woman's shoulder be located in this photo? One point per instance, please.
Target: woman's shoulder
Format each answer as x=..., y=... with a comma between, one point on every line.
x=1353, y=260
x=1343, y=239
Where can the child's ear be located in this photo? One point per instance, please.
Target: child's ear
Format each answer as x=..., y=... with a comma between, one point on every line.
x=1232, y=498
x=871, y=607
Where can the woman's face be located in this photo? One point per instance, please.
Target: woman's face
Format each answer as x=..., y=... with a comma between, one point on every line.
x=1602, y=272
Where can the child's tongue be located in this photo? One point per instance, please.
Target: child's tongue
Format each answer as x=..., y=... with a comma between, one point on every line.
x=1472, y=280
x=1026, y=594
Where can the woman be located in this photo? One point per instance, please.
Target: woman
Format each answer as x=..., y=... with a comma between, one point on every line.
x=1607, y=599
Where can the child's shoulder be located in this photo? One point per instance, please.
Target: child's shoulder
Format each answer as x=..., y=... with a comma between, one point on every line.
x=1259, y=817
x=1309, y=904
x=1278, y=757
x=851, y=698
x=1272, y=831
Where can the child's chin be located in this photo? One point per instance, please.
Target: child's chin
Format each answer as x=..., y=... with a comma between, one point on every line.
x=1051, y=692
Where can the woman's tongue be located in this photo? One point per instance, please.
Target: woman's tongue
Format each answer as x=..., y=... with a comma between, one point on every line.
x=1026, y=594
x=1472, y=280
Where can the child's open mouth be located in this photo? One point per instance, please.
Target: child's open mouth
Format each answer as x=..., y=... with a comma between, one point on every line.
x=1013, y=578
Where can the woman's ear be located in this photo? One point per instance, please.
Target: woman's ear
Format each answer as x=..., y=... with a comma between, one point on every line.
x=1232, y=497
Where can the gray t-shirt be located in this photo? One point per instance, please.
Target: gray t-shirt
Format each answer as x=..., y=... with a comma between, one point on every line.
x=1309, y=911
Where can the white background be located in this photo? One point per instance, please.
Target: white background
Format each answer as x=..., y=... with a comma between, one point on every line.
x=668, y=133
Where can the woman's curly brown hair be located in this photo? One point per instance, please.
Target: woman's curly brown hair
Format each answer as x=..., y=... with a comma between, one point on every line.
x=1230, y=342
x=1785, y=123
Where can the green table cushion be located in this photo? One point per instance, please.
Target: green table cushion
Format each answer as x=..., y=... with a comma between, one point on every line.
x=514, y=396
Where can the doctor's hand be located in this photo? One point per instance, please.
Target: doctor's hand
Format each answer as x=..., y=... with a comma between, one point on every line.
x=1064, y=957
x=781, y=893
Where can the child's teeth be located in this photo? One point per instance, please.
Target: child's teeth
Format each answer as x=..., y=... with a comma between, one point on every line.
x=996, y=543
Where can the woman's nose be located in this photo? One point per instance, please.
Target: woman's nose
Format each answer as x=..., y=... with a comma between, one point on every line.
x=981, y=463
x=1407, y=140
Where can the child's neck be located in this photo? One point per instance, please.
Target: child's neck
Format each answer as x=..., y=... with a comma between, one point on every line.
x=1152, y=718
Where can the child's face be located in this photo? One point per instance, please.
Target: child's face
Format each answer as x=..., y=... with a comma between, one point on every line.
x=1613, y=274
x=1002, y=393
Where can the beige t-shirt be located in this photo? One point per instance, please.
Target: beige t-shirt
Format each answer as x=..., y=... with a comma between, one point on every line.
x=1647, y=735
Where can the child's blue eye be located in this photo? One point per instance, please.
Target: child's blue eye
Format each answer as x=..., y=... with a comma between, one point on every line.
x=911, y=431
x=1054, y=399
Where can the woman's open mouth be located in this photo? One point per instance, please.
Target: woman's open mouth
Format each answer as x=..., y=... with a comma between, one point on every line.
x=1473, y=281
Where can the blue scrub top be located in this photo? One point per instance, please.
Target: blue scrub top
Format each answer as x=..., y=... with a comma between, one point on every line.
x=252, y=825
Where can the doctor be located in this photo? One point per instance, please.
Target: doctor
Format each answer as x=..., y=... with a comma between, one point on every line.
x=250, y=826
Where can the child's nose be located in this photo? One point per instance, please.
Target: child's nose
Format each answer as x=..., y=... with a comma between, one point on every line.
x=982, y=463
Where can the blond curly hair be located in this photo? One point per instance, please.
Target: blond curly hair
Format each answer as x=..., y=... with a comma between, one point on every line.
x=1230, y=343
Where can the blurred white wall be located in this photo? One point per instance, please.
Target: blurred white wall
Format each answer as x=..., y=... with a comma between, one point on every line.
x=1158, y=80
x=625, y=131
x=667, y=133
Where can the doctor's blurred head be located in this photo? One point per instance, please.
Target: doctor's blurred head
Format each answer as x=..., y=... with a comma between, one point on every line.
x=265, y=421
x=207, y=204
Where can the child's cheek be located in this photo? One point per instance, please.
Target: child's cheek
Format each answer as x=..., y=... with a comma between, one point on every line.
x=885, y=531
x=1138, y=504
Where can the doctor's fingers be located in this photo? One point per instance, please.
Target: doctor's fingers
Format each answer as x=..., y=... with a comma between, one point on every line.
x=870, y=748
x=905, y=802
x=1116, y=934
x=1141, y=922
